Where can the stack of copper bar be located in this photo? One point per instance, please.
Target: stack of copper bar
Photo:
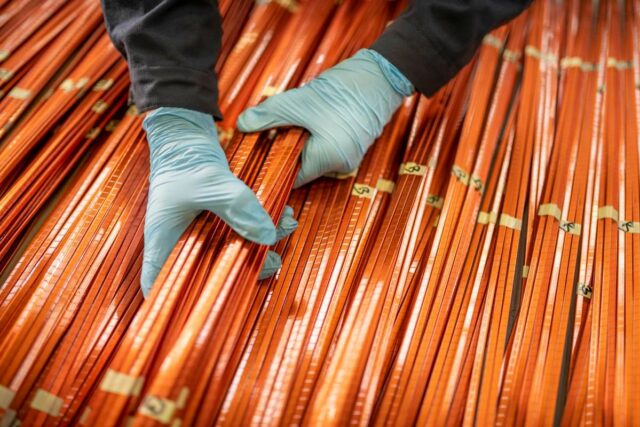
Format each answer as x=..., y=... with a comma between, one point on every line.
x=481, y=267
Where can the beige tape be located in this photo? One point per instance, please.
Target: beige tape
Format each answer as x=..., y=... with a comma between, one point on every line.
x=525, y=271
x=4, y=54
x=182, y=398
x=6, y=397
x=341, y=175
x=123, y=384
x=584, y=290
x=5, y=74
x=9, y=419
x=570, y=227
x=19, y=93
x=550, y=209
x=619, y=64
x=363, y=190
x=111, y=125
x=46, y=402
x=93, y=133
x=82, y=82
x=270, y=91
x=487, y=217
x=571, y=62
x=100, y=106
x=608, y=212
x=511, y=55
x=477, y=183
x=492, y=40
x=436, y=221
x=411, y=168
x=246, y=39
x=103, y=85
x=460, y=174
x=225, y=135
x=432, y=162
x=632, y=227
x=385, y=185
x=132, y=111
x=158, y=408
x=85, y=416
x=534, y=52
x=510, y=222
x=176, y=423
x=67, y=85
x=435, y=201
x=290, y=5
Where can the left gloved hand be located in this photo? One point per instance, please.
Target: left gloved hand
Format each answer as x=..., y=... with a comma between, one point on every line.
x=345, y=109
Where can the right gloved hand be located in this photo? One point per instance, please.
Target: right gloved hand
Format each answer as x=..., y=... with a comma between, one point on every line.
x=189, y=174
x=345, y=109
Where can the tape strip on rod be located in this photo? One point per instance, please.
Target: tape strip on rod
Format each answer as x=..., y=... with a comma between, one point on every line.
x=632, y=227
x=534, y=52
x=608, y=212
x=5, y=74
x=584, y=290
x=435, y=201
x=103, y=85
x=487, y=217
x=158, y=408
x=6, y=397
x=511, y=55
x=525, y=271
x=385, y=185
x=85, y=416
x=100, y=107
x=123, y=384
x=363, y=190
x=19, y=93
x=510, y=222
x=411, y=168
x=492, y=40
x=619, y=64
x=477, y=183
x=340, y=175
x=4, y=54
x=270, y=91
x=46, y=402
x=460, y=174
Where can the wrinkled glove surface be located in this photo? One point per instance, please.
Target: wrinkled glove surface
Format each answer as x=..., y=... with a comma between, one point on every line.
x=190, y=174
x=345, y=109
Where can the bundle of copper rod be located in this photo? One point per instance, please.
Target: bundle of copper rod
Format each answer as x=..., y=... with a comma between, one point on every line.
x=478, y=268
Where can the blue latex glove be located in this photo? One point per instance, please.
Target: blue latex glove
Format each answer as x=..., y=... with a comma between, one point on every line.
x=190, y=174
x=345, y=109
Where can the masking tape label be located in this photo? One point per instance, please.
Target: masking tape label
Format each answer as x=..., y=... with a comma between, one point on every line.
x=525, y=271
x=460, y=174
x=510, y=222
x=132, y=110
x=435, y=201
x=363, y=190
x=4, y=54
x=111, y=126
x=82, y=82
x=19, y=93
x=492, y=40
x=85, y=415
x=608, y=212
x=619, y=64
x=67, y=85
x=487, y=217
x=5, y=74
x=570, y=227
x=270, y=91
x=534, y=52
x=103, y=85
x=6, y=396
x=93, y=133
x=632, y=227
x=342, y=175
x=385, y=185
x=123, y=384
x=511, y=55
x=158, y=408
x=100, y=107
x=411, y=168
x=46, y=402
x=584, y=290
x=477, y=183
x=550, y=209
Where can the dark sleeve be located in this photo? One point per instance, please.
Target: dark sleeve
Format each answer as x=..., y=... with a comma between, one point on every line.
x=433, y=39
x=171, y=47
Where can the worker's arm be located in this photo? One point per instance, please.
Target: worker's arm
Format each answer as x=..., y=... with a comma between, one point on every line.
x=433, y=39
x=346, y=107
x=171, y=48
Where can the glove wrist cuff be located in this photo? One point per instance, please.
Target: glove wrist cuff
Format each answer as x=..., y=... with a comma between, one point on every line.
x=396, y=79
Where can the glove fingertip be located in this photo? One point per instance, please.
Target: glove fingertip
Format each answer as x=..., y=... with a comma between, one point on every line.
x=271, y=265
x=147, y=278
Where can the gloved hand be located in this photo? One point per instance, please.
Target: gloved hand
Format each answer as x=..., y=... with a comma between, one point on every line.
x=189, y=174
x=345, y=109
